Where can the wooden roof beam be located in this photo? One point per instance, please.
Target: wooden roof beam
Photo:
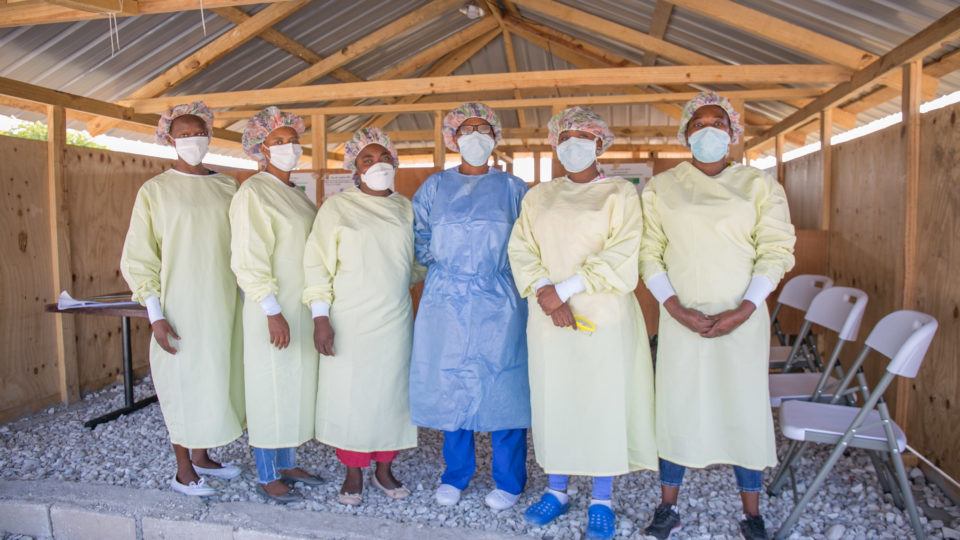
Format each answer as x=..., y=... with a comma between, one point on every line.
x=658, y=28
x=26, y=14
x=929, y=39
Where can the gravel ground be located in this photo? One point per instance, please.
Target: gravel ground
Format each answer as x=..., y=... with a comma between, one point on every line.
x=133, y=451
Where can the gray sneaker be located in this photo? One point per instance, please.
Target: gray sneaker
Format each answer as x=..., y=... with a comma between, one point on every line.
x=666, y=521
x=291, y=496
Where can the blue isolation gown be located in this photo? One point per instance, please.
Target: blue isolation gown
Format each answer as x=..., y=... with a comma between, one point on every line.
x=469, y=365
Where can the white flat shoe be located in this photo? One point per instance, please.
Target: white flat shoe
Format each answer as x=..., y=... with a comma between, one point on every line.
x=395, y=493
x=499, y=499
x=227, y=471
x=193, y=489
x=447, y=495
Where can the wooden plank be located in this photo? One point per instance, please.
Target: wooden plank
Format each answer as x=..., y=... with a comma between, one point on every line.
x=197, y=61
x=318, y=128
x=912, y=95
x=600, y=77
x=44, y=13
x=370, y=42
x=779, y=155
x=529, y=133
x=931, y=37
x=59, y=223
x=29, y=375
x=932, y=420
x=117, y=7
x=658, y=27
x=736, y=150
x=789, y=35
x=46, y=96
x=443, y=67
x=826, y=132
x=626, y=35
x=439, y=148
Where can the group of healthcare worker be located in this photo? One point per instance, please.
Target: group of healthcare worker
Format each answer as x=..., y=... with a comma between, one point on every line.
x=328, y=347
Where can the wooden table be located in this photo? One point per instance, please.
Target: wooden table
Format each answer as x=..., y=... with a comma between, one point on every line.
x=125, y=313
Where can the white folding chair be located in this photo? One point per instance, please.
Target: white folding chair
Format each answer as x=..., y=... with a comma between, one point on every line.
x=797, y=293
x=903, y=337
x=839, y=309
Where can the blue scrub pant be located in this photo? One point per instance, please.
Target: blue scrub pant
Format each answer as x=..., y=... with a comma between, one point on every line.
x=270, y=461
x=509, y=459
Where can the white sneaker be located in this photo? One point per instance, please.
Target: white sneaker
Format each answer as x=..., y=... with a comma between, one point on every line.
x=194, y=489
x=227, y=471
x=499, y=499
x=447, y=495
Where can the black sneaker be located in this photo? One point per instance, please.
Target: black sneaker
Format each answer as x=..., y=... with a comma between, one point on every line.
x=753, y=528
x=666, y=521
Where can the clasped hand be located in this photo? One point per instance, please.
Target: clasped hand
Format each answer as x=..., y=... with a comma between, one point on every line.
x=555, y=308
x=709, y=326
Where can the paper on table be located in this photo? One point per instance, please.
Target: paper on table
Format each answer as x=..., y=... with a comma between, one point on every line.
x=65, y=301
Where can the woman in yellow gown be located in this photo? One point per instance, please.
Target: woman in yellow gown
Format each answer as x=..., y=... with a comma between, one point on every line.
x=717, y=239
x=574, y=253
x=270, y=219
x=179, y=225
x=359, y=265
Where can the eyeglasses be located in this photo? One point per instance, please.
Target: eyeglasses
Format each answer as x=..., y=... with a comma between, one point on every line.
x=483, y=129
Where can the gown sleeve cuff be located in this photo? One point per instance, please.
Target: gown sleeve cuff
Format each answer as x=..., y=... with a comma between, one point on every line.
x=270, y=305
x=571, y=286
x=759, y=289
x=541, y=283
x=319, y=309
x=154, y=310
x=660, y=286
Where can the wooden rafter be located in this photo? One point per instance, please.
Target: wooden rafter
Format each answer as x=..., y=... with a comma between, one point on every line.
x=921, y=44
x=792, y=36
x=645, y=42
x=25, y=14
x=726, y=74
x=564, y=101
x=536, y=133
x=46, y=96
x=658, y=27
x=197, y=61
x=371, y=41
x=116, y=7
x=509, y=53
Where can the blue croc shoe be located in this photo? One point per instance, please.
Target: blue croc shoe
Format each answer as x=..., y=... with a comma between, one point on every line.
x=601, y=522
x=547, y=509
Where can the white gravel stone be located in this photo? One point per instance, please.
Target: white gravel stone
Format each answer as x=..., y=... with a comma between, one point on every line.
x=133, y=451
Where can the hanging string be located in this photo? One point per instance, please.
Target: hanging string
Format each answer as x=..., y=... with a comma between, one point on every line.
x=203, y=20
x=113, y=32
x=110, y=34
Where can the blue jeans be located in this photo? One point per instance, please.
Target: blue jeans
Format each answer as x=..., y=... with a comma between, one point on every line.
x=509, y=459
x=748, y=480
x=602, y=485
x=270, y=461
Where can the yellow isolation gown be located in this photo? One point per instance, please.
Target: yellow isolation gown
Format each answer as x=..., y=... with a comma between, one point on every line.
x=178, y=249
x=711, y=235
x=270, y=223
x=591, y=395
x=359, y=259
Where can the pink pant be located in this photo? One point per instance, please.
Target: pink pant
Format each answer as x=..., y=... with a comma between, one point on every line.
x=362, y=459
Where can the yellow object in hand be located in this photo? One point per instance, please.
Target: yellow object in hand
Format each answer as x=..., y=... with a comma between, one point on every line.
x=585, y=325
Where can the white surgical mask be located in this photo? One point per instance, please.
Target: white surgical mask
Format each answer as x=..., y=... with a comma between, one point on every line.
x=192, y=149
x=285, y=156
x=475, y=148
x=576, y=154
x=379, y=176
x=709, y=145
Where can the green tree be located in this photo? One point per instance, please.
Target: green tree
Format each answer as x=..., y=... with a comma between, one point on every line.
x=38, y=131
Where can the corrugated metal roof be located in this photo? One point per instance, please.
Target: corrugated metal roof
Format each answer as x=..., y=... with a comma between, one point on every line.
x=76, y=57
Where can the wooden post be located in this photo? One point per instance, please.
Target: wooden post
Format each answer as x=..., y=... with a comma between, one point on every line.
x=556, y=169
x=826, y=130
x=736, y=150
x=912, y=94
x=439, y=148
x=59, y=225
x=781, y=169
x=510, y=163
x=319, y=151
x=536, y=168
